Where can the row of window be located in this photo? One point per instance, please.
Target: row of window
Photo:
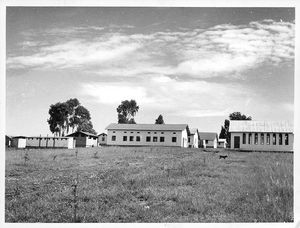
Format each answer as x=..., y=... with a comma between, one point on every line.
x=149, y=132
x=271, y=138
x=138, y=138
x=46, y=138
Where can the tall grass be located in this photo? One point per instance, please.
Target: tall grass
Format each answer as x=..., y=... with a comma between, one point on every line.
x=148, y=185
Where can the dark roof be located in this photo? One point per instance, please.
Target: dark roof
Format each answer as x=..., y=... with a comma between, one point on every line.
x=82, y=132
x=208, y=135
x=102, y=134
x=19, y=137
x=260, y=126
x=148, y=127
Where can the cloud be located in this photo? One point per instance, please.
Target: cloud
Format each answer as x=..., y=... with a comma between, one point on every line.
x=219, y=51
x=171, y=96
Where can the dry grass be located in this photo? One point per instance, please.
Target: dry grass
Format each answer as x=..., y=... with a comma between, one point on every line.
x=148, y=185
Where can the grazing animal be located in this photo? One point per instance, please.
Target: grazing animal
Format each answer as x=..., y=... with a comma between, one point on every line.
x=223, y=156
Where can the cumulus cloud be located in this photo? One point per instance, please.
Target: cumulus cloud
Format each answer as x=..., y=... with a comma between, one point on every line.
x=221, y=50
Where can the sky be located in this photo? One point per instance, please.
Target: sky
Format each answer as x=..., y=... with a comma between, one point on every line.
x=192, y=65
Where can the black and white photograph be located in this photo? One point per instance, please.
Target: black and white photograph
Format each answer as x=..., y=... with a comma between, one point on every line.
x=149, y=114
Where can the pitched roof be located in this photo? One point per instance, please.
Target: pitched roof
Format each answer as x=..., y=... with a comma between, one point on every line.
x=102, y=134
x=260, y=126
x=148, y=127
x=208, y=135
x=82, y=132
x=193, y=131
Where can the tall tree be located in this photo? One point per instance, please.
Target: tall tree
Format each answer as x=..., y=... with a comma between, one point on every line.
x=126, y=111
x=160, y=120
x=64, y=115
x=239, y=116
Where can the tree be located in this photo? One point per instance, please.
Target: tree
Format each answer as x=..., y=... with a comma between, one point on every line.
x=239, y=116
x=224, y=134
x=126, y=112
x=160, y=120
x=64, y=115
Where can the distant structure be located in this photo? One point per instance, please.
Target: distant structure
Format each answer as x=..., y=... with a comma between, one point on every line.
x=194, y=138
x=84, y=139
x=208, y=139
x=148, y=135
x=102, y=138
x=8, y=140
x=222, y=143
x=261, y=135
x=49, y=142
x=18, y=142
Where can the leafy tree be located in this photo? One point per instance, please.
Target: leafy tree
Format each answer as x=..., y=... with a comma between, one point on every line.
x=239, y=116
x=160, y=120
x=69, y=114
x=126, y=111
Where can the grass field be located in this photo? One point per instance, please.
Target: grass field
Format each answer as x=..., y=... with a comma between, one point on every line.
x=147, y=185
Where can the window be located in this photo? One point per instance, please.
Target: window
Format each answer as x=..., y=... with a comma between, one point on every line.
x=286, y=139
x=124, y=138
x=138, y=132
x=274, y=139
x=280, y=139
x=174, y=139
x=148, y=132
x=174, y=133
x=206, y=141
x=113, y=138
x=148, y=139
x=250, y=138
x=244, y=138
x=155, y=132
x=189, y=139
x=125, y=131
x=138, y=138
x=268, y=139
x=114, y=132
x=162, y=139
x=154, y=139
x=103, y=139
x=131, y=132
x=255, y=138
x=262, y=138
x=162, y=133
x=131, y=138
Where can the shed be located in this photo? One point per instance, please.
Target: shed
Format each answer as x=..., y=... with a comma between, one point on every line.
x=84, y=139
x=102, y=138
x=18, y=142
x=208, y=139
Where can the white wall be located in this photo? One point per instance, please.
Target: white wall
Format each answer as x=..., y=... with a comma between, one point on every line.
x=181, y=138
x=264, y=146
x=193, y=141
x=50, y=142
x=18, y=142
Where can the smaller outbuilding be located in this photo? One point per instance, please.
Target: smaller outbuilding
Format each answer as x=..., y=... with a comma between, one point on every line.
x=49, y=142
x=8, y=140
x=18, y=142
x=193, y=138
x=102, y=139
x=208, y=139
x=84, y=139
x=222, y=143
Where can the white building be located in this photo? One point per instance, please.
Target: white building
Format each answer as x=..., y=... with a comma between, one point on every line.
x=222, y=143
x=84, y=139
x=18, y=142
x=148, y=134
x=261, y=135
x=193, y=138
x=102, y=138
x=49, y=142
x=208, y=139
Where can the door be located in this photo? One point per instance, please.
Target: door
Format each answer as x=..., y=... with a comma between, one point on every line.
x=236, y=141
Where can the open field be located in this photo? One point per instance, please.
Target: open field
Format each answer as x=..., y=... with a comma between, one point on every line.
x=147, y=185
